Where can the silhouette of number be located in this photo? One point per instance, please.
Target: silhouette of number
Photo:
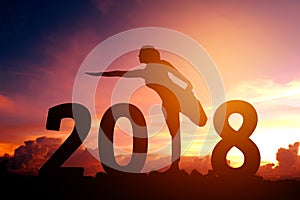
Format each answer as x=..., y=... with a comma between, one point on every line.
x=239, y=139
x=106, y=134
x=82, y=126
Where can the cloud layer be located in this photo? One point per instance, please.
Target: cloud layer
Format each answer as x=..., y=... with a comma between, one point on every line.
x=28, y=159
x=288, y=164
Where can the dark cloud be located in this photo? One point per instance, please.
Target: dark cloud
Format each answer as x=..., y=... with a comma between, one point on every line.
x=3, y=164
x=29, y=158
x=288, y=164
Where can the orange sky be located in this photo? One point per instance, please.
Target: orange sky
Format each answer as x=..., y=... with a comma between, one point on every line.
x=253, y=44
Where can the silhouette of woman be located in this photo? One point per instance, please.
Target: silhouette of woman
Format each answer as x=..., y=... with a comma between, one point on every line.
x=175, y=98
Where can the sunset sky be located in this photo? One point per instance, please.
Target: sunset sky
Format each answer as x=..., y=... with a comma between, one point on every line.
x=254, y=45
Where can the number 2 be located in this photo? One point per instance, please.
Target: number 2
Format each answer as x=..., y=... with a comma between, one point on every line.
x=82, y=118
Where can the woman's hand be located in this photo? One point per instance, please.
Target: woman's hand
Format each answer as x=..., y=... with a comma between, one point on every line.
x=189, y=86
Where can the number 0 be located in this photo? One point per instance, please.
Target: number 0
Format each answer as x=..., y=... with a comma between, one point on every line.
x=106, y=134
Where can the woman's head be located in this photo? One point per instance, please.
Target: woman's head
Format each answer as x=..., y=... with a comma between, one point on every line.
x=148, y=54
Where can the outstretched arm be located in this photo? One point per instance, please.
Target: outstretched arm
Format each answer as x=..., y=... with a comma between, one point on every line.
x=127, y=74
x=109, y=74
